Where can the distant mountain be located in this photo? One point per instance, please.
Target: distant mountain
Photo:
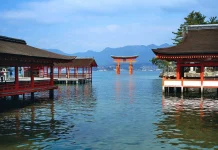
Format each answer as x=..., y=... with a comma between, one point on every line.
x=103, y=58
x=57, y=51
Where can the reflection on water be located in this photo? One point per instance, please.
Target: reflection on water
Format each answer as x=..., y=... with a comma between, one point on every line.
x=189, y=123
x=127, y=86
x=37, y=125
x=113, y=112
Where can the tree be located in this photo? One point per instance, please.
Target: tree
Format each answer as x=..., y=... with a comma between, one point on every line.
x=212, y=20
x=179, y=35
x=161, y=64
x=193, y=18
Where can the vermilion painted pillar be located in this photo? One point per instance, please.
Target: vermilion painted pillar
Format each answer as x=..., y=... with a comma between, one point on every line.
x=31, y=76
x=178, y=70
x=83, y=72
x=51, y=75
x=130, y=68
x=91, y=72
x=202, y=78
x=32, y=81
x=47, y=71
x=51, y=92
x=87, y=73
x=118, y=68
x=43, y=69
x=16, y=78
x=202, y=74
x=68, y=72
x=58, y=72
x=74, y=72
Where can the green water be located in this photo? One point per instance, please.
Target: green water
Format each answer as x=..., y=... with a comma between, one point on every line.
x=112, y=112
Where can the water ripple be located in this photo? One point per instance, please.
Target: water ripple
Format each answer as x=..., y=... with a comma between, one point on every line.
x=113, y=112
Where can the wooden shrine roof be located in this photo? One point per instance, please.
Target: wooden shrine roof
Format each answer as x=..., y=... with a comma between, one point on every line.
x=124, y=57
x=200, y=39
x=79, y=62
x=18, y=47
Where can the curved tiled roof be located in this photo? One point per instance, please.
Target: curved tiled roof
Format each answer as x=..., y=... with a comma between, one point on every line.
x=200, y=39
x=79, y=62
x=19, y=47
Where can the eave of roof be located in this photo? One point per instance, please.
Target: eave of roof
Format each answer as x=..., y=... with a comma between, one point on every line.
x=11, y=46
x=79, y=62
x=124, y=57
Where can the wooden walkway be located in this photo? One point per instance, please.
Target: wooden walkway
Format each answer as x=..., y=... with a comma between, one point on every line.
x=71, y=80
x=13, y=91
x=80, y=80
x=189, y=83
x=8, y=87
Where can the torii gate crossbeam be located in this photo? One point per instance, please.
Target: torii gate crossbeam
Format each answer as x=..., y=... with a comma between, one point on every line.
x=124, y=59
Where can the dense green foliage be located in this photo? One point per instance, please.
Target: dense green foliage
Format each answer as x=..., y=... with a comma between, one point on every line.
x=161, y=64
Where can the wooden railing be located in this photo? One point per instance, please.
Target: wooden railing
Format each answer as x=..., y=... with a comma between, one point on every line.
x=7, y=87
x=41, y=83
x=79, y=75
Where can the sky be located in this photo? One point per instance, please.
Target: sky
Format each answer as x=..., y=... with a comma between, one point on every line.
x=80, y=25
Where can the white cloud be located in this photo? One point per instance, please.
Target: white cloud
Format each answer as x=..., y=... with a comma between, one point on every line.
x=100, y=30
x=51, y=11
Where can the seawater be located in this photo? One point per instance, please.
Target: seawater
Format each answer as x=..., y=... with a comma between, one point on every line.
x=113, y=112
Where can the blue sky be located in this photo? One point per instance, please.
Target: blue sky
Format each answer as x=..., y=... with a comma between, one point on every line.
x=81, y=25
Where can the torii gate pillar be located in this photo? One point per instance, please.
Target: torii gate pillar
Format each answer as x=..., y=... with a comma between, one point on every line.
x=130, y=68
x=118, y=68
x=124, y=59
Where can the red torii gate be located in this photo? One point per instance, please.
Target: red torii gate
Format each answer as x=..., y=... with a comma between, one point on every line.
x=124, y=59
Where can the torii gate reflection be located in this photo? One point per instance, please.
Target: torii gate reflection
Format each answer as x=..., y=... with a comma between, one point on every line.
x=124, y=59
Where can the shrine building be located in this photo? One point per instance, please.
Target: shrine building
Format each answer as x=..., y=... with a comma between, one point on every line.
x=16, y=53
x=77, y=68
x=199, y=49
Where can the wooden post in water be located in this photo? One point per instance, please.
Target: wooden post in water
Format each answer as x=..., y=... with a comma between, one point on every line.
x=32, y=82
x=51, y=92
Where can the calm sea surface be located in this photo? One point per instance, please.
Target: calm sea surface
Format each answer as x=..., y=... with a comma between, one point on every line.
x=113, y=112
